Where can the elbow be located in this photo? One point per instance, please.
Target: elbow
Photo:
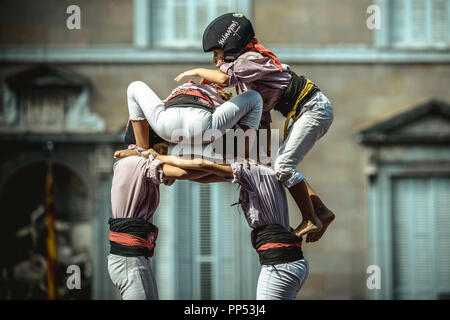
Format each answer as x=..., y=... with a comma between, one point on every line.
x=181, y=175
x=224, y=79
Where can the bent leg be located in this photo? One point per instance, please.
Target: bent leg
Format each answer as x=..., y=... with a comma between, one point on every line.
x=302, y=136
x=314, y=122
x=143, y=103
x=141, y=130
x=310, y=223
x=325, y=215
x=144, y=106
x=316, y=119
x=245, y=108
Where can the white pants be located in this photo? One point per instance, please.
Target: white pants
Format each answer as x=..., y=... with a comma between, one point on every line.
x=282, y=281
x=143, y=103
x=133, y=277
x=315, y=120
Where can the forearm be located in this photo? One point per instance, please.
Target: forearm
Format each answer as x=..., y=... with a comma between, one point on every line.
x=174, y=172
x=194, y=164
x=198, y=164
x=215, y=76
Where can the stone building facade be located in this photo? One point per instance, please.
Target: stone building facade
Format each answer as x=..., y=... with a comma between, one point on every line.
x=372, y=76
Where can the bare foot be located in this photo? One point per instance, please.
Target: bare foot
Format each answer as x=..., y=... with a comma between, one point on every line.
x=326, y=216
x=125, y=153
x=307, y=227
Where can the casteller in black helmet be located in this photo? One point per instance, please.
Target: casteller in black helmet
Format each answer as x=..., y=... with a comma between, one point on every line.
x=230, y=32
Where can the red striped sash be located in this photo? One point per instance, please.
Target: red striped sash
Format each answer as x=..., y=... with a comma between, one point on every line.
x=129, y=240
x=191, y=92
x=271, y=245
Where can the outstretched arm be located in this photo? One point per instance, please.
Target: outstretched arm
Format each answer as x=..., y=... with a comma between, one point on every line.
x=182, y=174
x=202, y=165
x=210, y=167
x=215, y=76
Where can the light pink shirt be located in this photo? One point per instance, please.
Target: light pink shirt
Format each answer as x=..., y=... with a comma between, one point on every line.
x=262, y=194
x=135, y=187
x=210, y=92
x=254, y=71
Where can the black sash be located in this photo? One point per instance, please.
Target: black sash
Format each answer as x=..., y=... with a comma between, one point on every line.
x=289, y=97
x=135, y=227
x=276, y=234
x=186, y=100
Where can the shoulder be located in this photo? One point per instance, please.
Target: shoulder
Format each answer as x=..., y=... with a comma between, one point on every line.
x=241, y=174
x=251, y=55
x=264, y=169
x=254, y=170
x=237, y=168
x=128, y=164
x=245, y=60
x=250, y=58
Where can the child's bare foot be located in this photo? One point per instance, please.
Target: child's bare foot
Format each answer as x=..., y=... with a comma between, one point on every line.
x=125, y=153
x=326, y=216
x=307, y=227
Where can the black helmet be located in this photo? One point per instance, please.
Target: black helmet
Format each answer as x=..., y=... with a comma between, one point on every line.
x=230, y=32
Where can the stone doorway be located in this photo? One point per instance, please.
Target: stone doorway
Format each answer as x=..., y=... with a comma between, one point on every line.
x=23, y=232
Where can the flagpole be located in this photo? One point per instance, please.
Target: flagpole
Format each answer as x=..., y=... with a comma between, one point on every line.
x=50, y=223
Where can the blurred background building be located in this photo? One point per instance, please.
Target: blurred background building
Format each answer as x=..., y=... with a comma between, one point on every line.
x=383, y=167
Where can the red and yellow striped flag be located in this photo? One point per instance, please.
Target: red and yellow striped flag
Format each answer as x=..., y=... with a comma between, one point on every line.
x=51, y=235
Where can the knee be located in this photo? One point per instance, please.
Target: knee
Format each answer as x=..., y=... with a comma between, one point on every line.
x=331, y=113
x=135, y=86
x=288, y=176
x=279, y=165
x=255, y=98
x=328, y=107
x=283, y=170
x=280, y=169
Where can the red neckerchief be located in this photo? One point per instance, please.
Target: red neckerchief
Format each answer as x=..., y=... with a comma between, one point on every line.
x=253, y=45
